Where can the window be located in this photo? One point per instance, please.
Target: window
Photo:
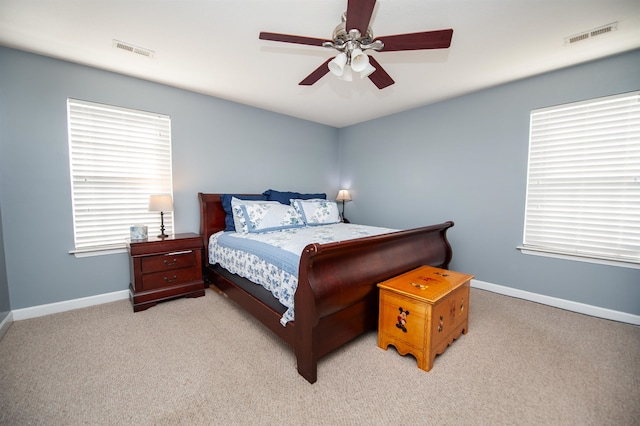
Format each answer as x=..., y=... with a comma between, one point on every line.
x=118, y=157
x=583, y=189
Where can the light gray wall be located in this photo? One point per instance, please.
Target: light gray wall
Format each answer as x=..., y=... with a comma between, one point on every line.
x=217, y=146
x=466, y=160
x=5, y=305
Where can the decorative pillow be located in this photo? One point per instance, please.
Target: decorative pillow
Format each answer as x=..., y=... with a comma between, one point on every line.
x=317, y=212
x=226, y=206
x=284, y=197
x=237, y=224
x=265, y=216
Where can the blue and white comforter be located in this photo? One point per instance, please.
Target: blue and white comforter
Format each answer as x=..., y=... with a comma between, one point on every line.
x=271, y=259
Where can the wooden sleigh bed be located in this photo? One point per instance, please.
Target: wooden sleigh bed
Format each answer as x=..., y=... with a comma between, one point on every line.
x=337, y=298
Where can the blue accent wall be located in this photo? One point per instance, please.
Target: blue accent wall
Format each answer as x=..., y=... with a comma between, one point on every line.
x=465, y=160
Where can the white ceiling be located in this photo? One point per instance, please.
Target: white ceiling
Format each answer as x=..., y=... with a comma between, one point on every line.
x=212, y=46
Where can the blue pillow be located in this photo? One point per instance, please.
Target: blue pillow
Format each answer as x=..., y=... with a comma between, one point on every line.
x=285, y=197
x=226, y=205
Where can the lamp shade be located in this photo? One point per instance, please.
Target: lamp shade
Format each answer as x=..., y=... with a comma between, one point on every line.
x=367, y=71
x=359, y=60
x=347, y=75
x=160, y=203
x=337, y=64
x=343, y=195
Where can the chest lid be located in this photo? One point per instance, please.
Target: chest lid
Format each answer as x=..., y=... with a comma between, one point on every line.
x=426, y=283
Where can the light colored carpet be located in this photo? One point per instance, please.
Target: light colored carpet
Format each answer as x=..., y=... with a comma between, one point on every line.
x=204, y=361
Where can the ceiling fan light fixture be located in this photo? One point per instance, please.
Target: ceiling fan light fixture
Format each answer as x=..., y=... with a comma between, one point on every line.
x=359, y=60
x=347, y=75
x=337, y=65
x=369, y=69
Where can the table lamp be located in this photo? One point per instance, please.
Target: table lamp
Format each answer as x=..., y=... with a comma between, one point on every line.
x=161, y=203
x=343, y=195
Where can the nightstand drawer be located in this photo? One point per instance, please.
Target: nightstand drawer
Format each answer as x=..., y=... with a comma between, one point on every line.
x=169, y=278
x=169, y=261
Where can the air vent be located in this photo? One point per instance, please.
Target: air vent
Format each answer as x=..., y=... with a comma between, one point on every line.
x=133, y=49
x=591, y=33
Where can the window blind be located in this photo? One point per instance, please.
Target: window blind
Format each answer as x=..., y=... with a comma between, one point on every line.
x=118, y=157
x=583, y=189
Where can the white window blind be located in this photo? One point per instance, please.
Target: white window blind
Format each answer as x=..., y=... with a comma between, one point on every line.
x=118, y=158
x=583, y=190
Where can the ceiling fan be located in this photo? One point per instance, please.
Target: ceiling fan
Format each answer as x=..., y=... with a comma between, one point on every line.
x=352, y=37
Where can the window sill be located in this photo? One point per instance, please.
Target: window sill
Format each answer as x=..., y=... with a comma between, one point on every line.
x=578, y=258
x=97, y=251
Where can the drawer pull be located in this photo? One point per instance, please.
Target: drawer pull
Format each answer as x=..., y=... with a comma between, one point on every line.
x=170, y=280
x=173, y=262
x=175, y=253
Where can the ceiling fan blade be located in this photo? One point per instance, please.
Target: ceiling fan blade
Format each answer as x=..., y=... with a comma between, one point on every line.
x=287, y=38
x=440, y=39
x=379, y=77
x=359, y=14
x=317, y=74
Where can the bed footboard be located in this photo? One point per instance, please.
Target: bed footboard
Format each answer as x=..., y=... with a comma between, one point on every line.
x=337, y=298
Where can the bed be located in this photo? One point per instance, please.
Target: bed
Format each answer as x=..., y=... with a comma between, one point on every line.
x=336, y=298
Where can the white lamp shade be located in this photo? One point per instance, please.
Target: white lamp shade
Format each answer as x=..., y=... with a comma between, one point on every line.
x=343, y=195
x=359, y=60
x=160, y=203
x=367, y=71
x=337, y=64
x=346, y=74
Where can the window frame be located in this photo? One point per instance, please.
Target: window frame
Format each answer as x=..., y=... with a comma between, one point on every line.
x=118, y=157
x=589, y=127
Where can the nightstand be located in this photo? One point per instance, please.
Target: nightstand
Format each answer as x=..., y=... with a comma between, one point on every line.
x=165, y=268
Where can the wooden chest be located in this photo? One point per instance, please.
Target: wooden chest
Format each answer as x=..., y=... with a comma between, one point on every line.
x=423, y=311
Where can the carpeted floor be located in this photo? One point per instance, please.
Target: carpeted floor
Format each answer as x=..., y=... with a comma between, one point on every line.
x=204, y=361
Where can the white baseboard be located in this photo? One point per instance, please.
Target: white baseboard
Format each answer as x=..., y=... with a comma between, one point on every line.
x=52, y=308
x=68, y=305
x=5, y=324
x=559, y=303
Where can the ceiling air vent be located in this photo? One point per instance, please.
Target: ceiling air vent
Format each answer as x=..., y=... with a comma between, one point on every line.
x=133, y=49
x=591, y=33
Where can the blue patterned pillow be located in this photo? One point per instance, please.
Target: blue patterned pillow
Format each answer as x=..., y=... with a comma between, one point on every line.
x=238, y=225
x=265, y=217
x=317, y=212
x=226, y=199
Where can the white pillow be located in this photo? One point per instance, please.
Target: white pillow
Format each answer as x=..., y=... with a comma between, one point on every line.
x=317, y=211
x=265, y=217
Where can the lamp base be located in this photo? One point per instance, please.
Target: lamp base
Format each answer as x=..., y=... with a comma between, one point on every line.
x=162, y=234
